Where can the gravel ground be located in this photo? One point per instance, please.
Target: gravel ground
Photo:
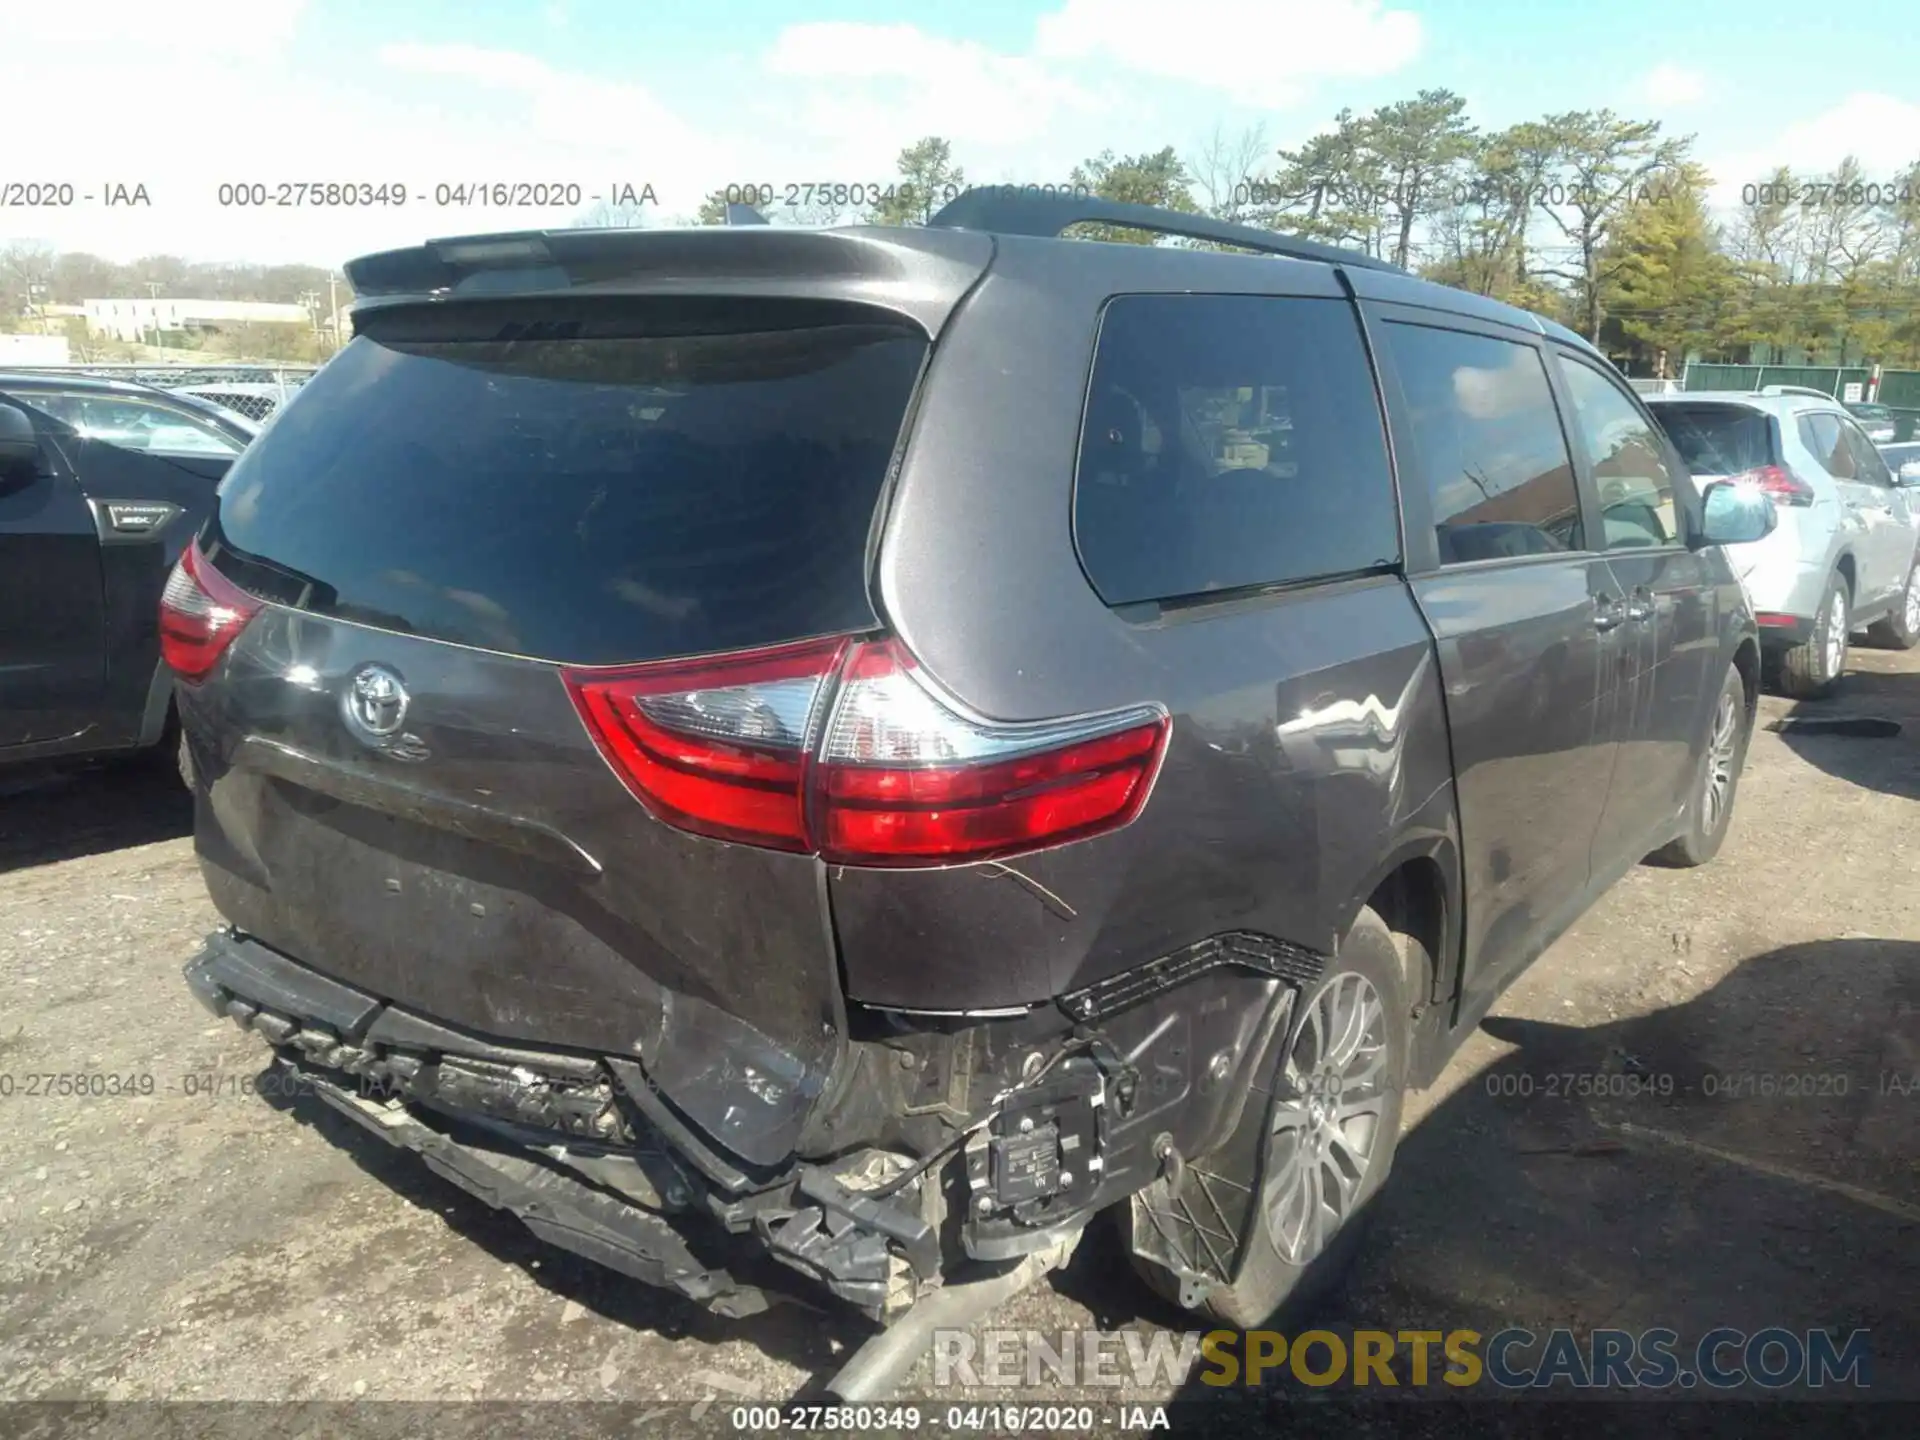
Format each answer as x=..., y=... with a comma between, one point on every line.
x=205, y=1243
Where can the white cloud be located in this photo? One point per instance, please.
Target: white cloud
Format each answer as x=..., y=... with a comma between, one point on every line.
x=184, y=27
x=1667, y=87
x=1259, y=52
x=1878, y=130
x=568, y=110
x=823, y=101
x=860, y=83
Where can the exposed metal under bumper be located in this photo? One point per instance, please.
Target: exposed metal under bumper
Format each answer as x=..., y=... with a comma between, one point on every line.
x=559, y=1209
x=576, y=1145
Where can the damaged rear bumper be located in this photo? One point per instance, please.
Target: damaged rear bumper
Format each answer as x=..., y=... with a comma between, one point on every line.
x=947, y=1148
x=579, y=1147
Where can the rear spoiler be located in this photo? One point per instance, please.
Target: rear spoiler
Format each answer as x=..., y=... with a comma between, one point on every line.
x=921, y=273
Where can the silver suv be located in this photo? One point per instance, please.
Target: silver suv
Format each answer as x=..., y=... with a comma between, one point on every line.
x=1842, y=557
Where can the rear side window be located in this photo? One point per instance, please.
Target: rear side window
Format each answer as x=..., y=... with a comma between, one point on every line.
x=1488, y=439
x=1821, y=434
x=1868, y=464
x=1230, y=441
x=1630, y=472
x=136, y=423
x=707, y=487
x=1718, y=439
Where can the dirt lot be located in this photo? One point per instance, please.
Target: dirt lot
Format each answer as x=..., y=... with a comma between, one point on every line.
x=218, y=1245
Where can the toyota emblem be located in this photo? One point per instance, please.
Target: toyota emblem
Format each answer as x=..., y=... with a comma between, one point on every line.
x=375, y=704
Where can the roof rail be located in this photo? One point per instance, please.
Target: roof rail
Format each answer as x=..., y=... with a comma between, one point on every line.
x=1799, y=390
x=1009, y=210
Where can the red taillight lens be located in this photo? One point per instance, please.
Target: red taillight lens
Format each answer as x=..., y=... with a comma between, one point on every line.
x=864, y=762
x=907, y=779
x=1780, y=484
x=719, y=747
x=201, y=614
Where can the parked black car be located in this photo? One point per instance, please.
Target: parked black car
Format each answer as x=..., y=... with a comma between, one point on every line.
x=102, y=483
x=869, y=747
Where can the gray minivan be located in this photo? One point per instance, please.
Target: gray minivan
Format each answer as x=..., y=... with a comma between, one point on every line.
x=864, y=749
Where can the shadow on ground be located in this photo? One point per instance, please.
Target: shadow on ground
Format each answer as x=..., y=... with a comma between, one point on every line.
x=1889, y=764
x=1743, y=1160
x=789, y=1331
x=48, y=815
x=1746, y=1159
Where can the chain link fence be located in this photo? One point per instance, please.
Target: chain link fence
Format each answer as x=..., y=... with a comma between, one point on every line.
x=254, y=391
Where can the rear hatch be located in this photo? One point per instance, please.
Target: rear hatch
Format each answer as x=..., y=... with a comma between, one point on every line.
x=459, y=523
x=1721, y=441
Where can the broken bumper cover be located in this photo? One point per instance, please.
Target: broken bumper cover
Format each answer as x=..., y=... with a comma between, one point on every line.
x=560, y=1210
x=578, y=1146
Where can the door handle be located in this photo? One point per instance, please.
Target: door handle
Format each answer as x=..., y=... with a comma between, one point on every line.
x=1641, y=606
x=1607, y=614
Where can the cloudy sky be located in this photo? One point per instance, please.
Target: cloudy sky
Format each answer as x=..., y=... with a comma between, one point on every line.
x=186, y=95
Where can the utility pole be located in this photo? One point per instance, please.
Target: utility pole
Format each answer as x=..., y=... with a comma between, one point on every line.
x=333, y=309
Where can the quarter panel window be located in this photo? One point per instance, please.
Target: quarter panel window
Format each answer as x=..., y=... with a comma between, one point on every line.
x=1230, y=441
x=1488, y=444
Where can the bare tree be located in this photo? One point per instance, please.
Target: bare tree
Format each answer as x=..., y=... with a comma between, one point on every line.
x=1230, y=172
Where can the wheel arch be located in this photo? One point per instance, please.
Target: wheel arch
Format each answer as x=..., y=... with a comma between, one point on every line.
x=1416, y=890
x=1848, y=569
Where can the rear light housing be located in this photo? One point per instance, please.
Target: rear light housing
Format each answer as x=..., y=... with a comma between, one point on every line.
x=201, y=614
x=847, y=749
x=1779, y=484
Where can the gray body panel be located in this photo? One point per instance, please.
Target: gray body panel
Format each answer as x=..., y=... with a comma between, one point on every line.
x=487, y=868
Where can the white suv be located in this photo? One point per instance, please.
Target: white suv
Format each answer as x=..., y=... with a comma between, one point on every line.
x=1842, y=558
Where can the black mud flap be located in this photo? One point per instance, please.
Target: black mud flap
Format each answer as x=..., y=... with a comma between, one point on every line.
x=1192, y=1221
x=560, y=1210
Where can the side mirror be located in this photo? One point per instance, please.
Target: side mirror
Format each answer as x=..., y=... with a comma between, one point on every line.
x=1736, y=514
x=1908, y=475
x=19, y=446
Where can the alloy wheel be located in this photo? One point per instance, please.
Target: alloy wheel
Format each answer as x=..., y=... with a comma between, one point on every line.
x=1912, y=616
x=1835, y=640
x=1328, y=1118
x=1723, y=744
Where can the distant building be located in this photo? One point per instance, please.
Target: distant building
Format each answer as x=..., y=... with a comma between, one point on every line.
x=135, y=319
x=33, y=350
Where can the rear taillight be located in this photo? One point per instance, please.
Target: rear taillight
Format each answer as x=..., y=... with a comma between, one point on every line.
x=1778, y=483
x=847, y=749
x=718, y=747
x=906, y=779
x=201, y=613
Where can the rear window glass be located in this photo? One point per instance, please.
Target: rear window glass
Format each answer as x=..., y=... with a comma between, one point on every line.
x=1230, y=442
x=592, y=500
x=1718, y=439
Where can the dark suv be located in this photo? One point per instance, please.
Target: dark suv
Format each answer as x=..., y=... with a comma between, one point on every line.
x=863, y=749
x=102, y=484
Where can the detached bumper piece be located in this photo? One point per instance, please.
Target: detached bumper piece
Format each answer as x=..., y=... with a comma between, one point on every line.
x=559, y=1209
x=564, y=1141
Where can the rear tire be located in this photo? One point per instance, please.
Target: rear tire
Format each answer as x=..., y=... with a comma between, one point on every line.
x=1901, y=629
x=1338, y=1084
x=1723, y=756
x=1808, y=671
